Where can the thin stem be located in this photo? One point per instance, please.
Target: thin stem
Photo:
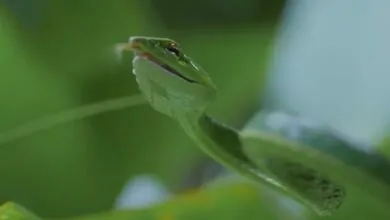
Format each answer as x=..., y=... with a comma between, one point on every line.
x=69, y=115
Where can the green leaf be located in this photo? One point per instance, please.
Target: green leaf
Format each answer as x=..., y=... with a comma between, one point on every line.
x=13, y=211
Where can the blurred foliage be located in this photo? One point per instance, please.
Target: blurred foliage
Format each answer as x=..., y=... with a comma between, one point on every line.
x=16, y=212
x=228, y=199
x=217, y=13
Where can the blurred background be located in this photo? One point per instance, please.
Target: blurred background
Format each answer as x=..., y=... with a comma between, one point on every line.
x=324, y=60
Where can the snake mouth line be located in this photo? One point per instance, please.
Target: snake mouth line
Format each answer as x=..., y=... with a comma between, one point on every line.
x=134, y=45
x=169, y=69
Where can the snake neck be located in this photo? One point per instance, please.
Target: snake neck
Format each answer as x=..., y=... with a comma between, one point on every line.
x=219, y=141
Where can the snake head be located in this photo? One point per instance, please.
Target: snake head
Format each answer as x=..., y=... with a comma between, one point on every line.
x=170, y=80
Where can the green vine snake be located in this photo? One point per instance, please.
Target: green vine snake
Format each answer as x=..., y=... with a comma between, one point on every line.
x=286, y=152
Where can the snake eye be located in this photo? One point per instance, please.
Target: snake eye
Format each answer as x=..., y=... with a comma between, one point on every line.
x=172, y=48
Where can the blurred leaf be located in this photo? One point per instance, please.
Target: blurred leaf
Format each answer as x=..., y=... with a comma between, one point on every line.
x=12, y=211
x=224, y=200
